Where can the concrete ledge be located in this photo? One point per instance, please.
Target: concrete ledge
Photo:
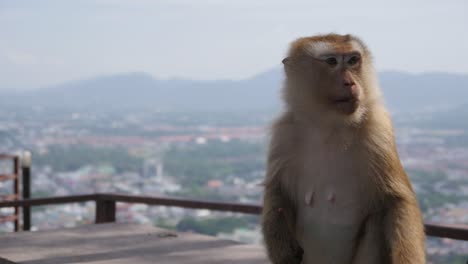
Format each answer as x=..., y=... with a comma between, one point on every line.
x=123, y=244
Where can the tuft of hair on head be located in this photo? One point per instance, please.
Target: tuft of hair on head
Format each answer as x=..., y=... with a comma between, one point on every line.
x=326, y=43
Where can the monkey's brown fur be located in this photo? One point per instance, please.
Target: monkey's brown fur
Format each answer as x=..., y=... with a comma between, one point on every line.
x=341, y=154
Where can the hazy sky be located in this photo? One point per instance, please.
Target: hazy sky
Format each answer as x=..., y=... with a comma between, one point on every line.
x=46, y=42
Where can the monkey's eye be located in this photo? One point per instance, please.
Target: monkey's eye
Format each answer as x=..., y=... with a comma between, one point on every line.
x=353, y=60
x=332, y=61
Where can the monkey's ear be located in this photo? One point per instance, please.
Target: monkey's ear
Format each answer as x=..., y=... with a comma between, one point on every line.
x=289, y=65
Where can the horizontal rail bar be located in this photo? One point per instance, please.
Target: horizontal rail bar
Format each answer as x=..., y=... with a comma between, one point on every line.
x=458, y=232
x=8, y=218
x=194, y=204
x=9, y=197
x=6, y=177
x=51, y=200
x=8, y=156
x=150, y=200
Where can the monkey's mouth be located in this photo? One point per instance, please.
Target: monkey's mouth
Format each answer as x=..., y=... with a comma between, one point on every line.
x=346, y=105
x=344, y=100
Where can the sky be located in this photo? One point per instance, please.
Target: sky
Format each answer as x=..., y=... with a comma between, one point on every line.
x=48, y=42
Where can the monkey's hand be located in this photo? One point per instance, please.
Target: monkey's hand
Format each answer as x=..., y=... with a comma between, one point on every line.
x=278, y=221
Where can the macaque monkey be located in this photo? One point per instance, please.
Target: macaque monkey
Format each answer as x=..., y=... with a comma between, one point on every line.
x=335, y=190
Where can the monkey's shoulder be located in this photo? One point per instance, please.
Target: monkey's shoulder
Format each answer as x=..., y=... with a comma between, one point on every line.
x=283, y=135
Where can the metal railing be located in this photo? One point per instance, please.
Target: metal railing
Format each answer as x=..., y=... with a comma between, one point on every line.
x=14, y=176
x=106, y=209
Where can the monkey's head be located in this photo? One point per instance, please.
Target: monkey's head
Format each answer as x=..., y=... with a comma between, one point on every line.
x=330, y=74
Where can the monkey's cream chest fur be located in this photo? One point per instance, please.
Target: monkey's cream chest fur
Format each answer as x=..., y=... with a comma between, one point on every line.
x=331, y=196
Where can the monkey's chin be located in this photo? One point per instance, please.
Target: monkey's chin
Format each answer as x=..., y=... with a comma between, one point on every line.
x=348, y=107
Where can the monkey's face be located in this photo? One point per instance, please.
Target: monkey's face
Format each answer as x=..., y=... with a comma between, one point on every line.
x=337, y=85
x=326, y=76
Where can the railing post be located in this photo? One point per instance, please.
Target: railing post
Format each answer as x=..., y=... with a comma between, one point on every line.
x=16, y=187
x=105, y=211
x=26, y=168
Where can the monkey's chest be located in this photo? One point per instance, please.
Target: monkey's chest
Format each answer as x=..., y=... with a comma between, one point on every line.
x=333, y=201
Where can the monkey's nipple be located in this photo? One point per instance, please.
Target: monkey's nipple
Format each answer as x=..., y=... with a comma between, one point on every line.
x=331, y=197
x=309, y=198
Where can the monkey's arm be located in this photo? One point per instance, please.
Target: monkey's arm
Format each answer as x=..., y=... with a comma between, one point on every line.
x=402, y=223
x=278, y=221
x=404, y=231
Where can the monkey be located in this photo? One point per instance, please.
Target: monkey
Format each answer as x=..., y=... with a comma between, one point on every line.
x=335, y=190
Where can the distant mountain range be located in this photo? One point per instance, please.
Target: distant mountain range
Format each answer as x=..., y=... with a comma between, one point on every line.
x=403, y=92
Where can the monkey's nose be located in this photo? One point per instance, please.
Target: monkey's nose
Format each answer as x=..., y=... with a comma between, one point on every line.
x=348, y=80
x=350, y=87
x=349, y=83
